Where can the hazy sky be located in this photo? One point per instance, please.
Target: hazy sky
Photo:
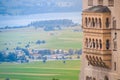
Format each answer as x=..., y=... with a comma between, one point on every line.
x=15, y=7
x=22, y=12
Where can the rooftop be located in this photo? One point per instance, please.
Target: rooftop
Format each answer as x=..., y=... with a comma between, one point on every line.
x=98, y=9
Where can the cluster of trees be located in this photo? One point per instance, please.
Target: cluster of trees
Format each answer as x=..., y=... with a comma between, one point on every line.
x=10, y=57
x=13, y=56
x=25, y=54
x=27, y=45
x=12, y=27
x=49, y=25
x=40, y=42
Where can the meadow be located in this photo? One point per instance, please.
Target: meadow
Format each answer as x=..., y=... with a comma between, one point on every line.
x=60, y=39
x=51, y=70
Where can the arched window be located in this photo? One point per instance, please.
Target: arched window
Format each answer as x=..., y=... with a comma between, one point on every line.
x=100, y=44
x=115, y=66
x=107, y=44
x=96, y=22
x=93, y=22
x=93, y=42
x=106, y=78
x=94, y=78
x=115, y=41
x=90, y=44
x=114, y=24
x=110, y=2
x=90, y=78
x=90, y=2
x=86, y=22
x=97, y=44
x=100, y=2
x=89, y=22
x=87, y=78
x=86, y=42
x=107, y=22
x=100, y=23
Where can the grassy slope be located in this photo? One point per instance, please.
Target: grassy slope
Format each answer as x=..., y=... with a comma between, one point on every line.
x=64, y=39
x=37, y=70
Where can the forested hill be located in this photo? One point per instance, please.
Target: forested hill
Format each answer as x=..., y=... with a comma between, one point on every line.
x=47, y=25
x=53, y=24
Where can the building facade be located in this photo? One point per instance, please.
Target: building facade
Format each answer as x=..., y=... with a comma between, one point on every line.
x=101, y=41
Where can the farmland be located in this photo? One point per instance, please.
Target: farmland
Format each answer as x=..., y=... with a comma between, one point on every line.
x=51, y=70
x=60, y=39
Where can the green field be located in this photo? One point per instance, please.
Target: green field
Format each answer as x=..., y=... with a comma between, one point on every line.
x=51, y=70
x=62, y=39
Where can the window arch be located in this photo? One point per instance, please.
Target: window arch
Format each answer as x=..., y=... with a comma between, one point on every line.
x=100, y=44
x=93, y=22
x=107, y=44
x=115, y=66
x=89, y=19
x=115, y=41
x=100, y=23
x=93, y=42
x=107, y=22
x=90, y=78
x=96, y=22
x=114, y=24
x=106, y=78
x=86, y=21
x=86, y=42
x=87, y=78
x=90, y=2
x=94, y=78
x=90, y=45
x=110, y=2
x=97, y=44
x=100, y=2
x=89, y=22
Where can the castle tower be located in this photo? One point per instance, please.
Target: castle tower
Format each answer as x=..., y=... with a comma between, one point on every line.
x=101, y=46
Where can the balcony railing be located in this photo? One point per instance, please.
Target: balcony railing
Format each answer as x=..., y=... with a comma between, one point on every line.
x=95, y=30
x=96, y=51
